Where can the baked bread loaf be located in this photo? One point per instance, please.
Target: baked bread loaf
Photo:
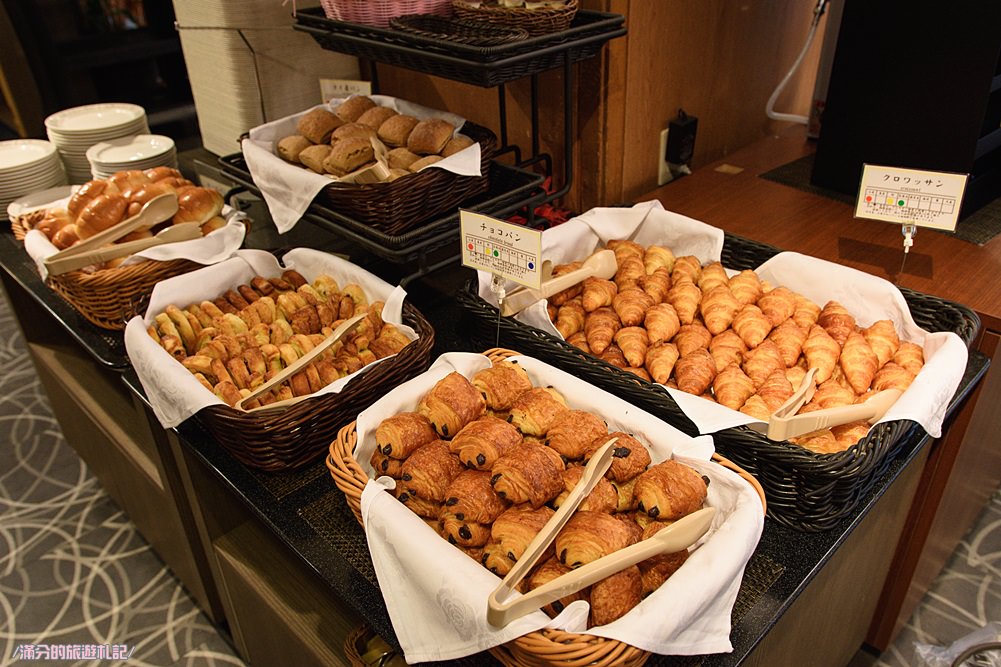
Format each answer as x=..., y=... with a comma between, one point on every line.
x=87, y=192
x=128, y=181
x=429, y=136
x=589, y=535
x=352, y=131
x=348, y=155
x=670, y=490
x=429, y=471
x=613, y=597
x=459, y=142
x=317, y=125
x=573, y=431
x=401, y=158
x=313, y=157
x=290, y=147
x=157, y=174
x=514, y=529
x=198, y=205
x=471, y=497
x=535, y=410
x=376, y=116
x=100, y=213
x=396, y=129
x=352, y=108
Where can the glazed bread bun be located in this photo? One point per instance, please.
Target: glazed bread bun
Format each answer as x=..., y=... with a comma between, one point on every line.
x=352, y=108
x=54, y=220
x=147, y=192
x=198, y=205
x=218, y=222
x=88, y=191
x=129, y=181
x=65, y=237
x=430, y=136
x=99, y=214
x=159, y=173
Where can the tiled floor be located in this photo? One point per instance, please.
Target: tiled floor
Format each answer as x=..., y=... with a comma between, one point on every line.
x=73, y=570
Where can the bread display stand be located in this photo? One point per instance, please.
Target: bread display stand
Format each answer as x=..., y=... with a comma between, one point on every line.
x=740, y=500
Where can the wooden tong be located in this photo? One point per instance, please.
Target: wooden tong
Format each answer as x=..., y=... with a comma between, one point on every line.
x=601, y=264
x=679, y=535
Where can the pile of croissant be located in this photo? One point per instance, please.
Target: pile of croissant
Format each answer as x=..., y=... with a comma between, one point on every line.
x=732, y=339
x=487, y=461
x=100, y=204
x=237, y=342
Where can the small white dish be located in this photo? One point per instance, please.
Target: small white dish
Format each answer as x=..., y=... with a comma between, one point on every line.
x=91, y=117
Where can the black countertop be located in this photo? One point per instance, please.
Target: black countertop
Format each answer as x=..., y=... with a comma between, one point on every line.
x=307, y=512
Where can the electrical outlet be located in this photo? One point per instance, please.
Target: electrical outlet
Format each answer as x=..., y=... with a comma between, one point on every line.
x=664, y=170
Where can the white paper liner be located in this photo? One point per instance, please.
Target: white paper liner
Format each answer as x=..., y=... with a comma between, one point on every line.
x=173, y=392
x=867, y=297
x=289, y=189
x=209, y=249
x=437, y=596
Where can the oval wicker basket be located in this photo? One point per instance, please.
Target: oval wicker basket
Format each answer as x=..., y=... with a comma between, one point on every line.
x=107, y=298
x=379, y=12
x=550, y=648
x=537, y=21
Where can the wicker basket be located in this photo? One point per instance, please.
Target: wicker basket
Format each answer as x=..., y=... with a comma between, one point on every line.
x=379, y=12
x=806, y=491
x=108, y=298
x=541, y=648
x=290, y=438
x=405, y=203
x=537, y=21
x=472, y=33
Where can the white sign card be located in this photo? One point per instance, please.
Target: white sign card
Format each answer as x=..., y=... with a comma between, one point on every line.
x=911, y=196
x=501, y=248
x=335, y=89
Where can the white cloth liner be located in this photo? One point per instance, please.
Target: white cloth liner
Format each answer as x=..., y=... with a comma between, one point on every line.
x=173, y=392
x=289, y=189
x=209, y=249
x=423, y=577
x=867, y=297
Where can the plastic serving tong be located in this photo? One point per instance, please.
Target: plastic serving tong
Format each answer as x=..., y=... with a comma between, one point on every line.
x=679, y=535
x=601, y=264
x=785, y=423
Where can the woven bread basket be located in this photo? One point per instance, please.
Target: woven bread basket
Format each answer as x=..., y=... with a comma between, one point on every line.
x=537, y=21
x=107, y=298
x=543, y=648
x=379, y=12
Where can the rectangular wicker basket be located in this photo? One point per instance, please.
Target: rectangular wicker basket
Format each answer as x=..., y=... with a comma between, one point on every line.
x=806, y=491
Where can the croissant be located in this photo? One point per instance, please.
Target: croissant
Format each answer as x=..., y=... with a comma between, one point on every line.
x=712, y=275
x=892, y=376
x=515, y=528
x=746, y=286
x=634, y=342
x=613, y=355
x=589, y=535
x=732, y=387
x=751, y=325
x=627, y=501
x=656, y=284
x=719, y=306
x=383, y=465
x=658, y=257
x=849, y=434
x=821, y=352
x=629, y=456
x=686, y=267
x=573, y=431
x=882, y=337
x=482, y=441
x=624, y=248
x=452, y=403
x=910, y=356
x=613, y=597
x=422, y=507
x=656, y=570
x=600, y=328
x=660, y=361
x=695, y=371
x=859, y=362
x=630, y=270
x=429, y=471
x=529, y=473
x=579, y=340
x=548, y=571
x=597, y=292
x=402, y=434
x=661, y=323
x=756, y=407
x=789, y=337
x=471, y=497
x=602, y=498
x=727, y=348
x=837, y=321
x=692, y=337
x=775, y=390
x=571, y=292
x=806, y=312
x=685, y=296
x=537, y=409
x=639, y=372
x=670, y=490
x=795, y=375
x=829, y=394
x=501, y=384
x=819, y=442
x=570, y=318
x=462, y=533
x=762, y=361
x=778, y=305
x=631, y=304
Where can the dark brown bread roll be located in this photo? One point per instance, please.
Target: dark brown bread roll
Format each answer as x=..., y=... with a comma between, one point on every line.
x=430, y=136
x=317, y=125
x=395, y=130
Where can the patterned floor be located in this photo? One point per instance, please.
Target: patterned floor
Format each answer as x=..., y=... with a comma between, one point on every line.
x=74, y=573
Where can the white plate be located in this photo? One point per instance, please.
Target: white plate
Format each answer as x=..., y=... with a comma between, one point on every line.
x=93, y=117
x=129, y=150
x=37, y=200
x=90, y=138
x=20, y=154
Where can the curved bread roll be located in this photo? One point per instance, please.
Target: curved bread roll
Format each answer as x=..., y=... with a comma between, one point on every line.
x=603, y=497
x=670, y=490
x=451, y=404
x=590, y=535
x=514, y=529
x=401, y=435
x=573, y=431
x=629, y=456
x=613, y=597
x=546, y=572
x=429, y=471
x=501, y=384
x=529, y=473
x=471, y=497
x=535, y=410
x=481, y=442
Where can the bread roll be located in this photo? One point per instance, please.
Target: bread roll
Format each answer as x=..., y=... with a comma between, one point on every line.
x=101, y=213
x=212, y=224
x=401, y=158
x=426, y=161
x=88, y=191
x=430, y=136
x=352, y=108
x=352, y=131
x=129, y=181
x=347, y=155
x=289, y=147
x=376, y=116
x=160, y=173
x=54, y=220
x=457, y=143
x=314, y=156
x=317, y=125
x=65, y=237
x=198, y=205
x=395, y=173
x=396, y=129
x=141, y=196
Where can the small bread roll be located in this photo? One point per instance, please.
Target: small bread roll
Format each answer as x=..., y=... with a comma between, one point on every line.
x=314, y=156
x=401, y=158
x=347, y=155
x=396, y=173
x=88, y=191
x=102, y=212
x=457, y=143
x=147, y=192
x=54, y=220
x=424, y=162
x=159, y=173
x=352, y=131
x=396, y=130
x=218, y=222
x=352, y=108
x=430, y=136
x=290, y=147
x=129, y=181
x=65, y=237
x=317, y=125
x=376, y=116
x=198, y=205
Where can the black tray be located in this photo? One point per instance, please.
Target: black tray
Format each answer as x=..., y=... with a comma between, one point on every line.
x=479, y=65
x=805, y=491
x=510, y=188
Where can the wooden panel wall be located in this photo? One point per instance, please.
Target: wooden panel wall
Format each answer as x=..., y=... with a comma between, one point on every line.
x=718, y=59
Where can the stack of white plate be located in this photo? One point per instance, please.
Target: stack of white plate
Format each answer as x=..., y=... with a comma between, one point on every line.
x=143, y=151
x=75, y=130
x=26, y=166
